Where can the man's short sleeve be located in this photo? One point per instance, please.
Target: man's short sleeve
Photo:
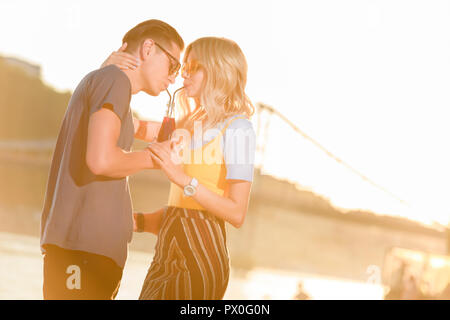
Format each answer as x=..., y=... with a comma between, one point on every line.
x=109, y=88
x=239, y=150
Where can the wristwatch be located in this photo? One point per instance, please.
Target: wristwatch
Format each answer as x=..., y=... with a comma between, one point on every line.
x=190, y=189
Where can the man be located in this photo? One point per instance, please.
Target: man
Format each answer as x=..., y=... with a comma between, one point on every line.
x=87, y=221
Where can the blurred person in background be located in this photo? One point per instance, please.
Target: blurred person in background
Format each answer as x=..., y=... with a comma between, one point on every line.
x=301, y=293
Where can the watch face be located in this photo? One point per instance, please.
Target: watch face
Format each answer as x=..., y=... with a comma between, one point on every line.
x=189, y=190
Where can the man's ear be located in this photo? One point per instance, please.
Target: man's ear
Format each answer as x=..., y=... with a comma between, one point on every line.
x=147, y=49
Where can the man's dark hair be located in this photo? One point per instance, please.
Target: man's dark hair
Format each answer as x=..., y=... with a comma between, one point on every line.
x=154, y=29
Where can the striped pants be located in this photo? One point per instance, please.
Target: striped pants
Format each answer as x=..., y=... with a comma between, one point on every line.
x=191, y=258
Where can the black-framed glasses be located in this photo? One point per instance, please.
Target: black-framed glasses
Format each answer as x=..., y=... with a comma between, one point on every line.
x=174, y=63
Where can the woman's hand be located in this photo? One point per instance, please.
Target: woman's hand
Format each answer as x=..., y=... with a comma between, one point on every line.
x=122, y=59
x=169, y=162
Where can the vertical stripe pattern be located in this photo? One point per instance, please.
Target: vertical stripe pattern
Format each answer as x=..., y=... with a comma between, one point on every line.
x=191, y=259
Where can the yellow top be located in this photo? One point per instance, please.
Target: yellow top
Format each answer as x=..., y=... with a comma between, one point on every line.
x=207, y=165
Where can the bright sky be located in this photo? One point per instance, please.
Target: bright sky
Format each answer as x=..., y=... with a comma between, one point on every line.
x=369, y=80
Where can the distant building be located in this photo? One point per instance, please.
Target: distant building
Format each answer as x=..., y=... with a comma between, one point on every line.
x=31, y=69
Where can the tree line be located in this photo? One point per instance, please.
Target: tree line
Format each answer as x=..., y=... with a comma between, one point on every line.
x=29, y=109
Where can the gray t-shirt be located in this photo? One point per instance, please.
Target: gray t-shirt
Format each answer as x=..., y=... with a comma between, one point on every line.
x=83, y=211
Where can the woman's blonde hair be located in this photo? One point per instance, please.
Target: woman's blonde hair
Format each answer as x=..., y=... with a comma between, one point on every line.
x=223, y=93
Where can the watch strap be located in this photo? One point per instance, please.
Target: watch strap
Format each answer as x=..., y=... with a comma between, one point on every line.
x=140, y=222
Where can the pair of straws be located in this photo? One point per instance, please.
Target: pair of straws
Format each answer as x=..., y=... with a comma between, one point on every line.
x=171, y=103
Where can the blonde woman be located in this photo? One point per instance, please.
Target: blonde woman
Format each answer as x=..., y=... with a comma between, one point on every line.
x=212, y=184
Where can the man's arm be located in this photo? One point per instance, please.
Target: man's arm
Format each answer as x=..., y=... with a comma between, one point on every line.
x=103, y=156
x=146, y=130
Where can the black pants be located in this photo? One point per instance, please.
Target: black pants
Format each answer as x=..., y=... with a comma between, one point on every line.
x=79, y=275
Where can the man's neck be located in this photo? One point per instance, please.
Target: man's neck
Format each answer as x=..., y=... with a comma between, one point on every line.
x=134, y=78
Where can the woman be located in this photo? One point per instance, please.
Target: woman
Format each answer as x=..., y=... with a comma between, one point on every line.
x=212, y=185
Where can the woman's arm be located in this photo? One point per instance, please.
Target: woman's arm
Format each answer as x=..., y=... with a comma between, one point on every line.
x=122, y=59
x=232, y=207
